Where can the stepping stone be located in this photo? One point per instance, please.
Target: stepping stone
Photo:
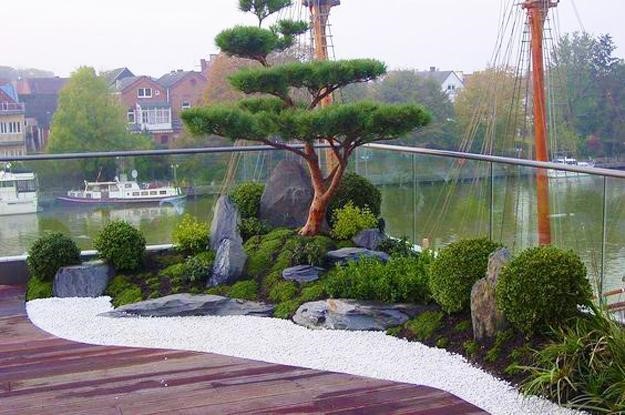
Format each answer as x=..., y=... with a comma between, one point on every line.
x=302, y=273
x=178, y=305
x=344, y=255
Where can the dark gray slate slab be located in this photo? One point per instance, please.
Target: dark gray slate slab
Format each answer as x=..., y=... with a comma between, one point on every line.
x=287, y=196
x=344, y=255
x=229, y=263
x=486, y=318
x=225, y=223
x=192, y=305
x=86, y=280
x=302, y=273
x=342, y=314
x=369, y=239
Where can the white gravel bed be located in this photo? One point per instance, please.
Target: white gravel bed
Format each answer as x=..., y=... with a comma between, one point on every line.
x=371, y=354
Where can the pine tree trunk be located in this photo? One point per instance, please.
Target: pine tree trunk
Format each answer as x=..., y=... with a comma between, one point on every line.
x=316, y=216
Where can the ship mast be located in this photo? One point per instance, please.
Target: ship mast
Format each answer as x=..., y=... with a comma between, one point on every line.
x=537, y=11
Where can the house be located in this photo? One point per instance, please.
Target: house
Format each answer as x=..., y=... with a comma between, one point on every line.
x=184, y=90
x=147, y=106
x=115, y=75
x=12, y=122
x=451, y=82
x=40, y=97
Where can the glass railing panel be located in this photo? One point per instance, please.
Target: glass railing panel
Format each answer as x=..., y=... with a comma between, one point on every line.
x=614, y=253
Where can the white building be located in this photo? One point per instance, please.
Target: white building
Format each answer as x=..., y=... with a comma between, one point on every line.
x=451, y=82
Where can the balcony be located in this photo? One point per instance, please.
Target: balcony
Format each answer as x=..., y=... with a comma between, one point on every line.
x=8, y=108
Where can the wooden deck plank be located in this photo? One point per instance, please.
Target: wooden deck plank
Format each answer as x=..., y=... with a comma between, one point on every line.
x=42, y=374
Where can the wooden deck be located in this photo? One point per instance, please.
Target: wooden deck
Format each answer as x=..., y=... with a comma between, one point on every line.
x=42, y=374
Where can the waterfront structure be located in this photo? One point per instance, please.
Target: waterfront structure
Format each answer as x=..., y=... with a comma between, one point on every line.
x=12, y=122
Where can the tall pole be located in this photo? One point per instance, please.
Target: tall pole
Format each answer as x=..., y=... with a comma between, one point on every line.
x=319, y=14
x=537, y=12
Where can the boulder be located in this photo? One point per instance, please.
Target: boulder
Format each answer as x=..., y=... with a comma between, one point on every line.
x=369, y=239
x=178, y=305
x=344, y=255
x=225, y=223
x=287, y=196
x=338, y=314
x=486, y=318
x=229, y=263
x=86, y=280
x=302, y=273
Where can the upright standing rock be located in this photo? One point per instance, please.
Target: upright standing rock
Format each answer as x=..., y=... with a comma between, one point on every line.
x=229, y=263
x=287, y=196
x=86, y=280
x=225, y=223
x=485, y=316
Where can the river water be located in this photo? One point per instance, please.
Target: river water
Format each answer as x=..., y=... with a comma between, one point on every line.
x=438, y=211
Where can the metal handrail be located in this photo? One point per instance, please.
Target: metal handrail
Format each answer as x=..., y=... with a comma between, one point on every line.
x=387, y=147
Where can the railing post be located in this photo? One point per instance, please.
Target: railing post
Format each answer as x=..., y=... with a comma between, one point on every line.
x=414, y=199
x=604, y=232
x=491, y=220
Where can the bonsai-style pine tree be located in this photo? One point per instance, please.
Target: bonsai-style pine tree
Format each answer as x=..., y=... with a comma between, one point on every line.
x=273, y=116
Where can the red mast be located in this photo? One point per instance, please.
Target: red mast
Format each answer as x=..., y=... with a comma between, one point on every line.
x=537, y=12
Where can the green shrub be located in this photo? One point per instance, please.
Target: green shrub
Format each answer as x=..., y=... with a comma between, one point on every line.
x=350, y=219
x=49, y=253
x=463, y=326
x=397, y=247
x=244, y=290
x=198, y=268
x=456, y=268
x=583, y=367
x=123, y=291
x=471, y=347
x=286, y=309
x=542, y=286
x=251, y=227
x=121, y=245
x=396, y=281
x=246, y=196
x=222, y=290
x=283, y=291
x=501, y=339
x=442, y=342
x=425, y=325
x=191, y=236
x=36, y=288
x=313, y=292
x=359, y=191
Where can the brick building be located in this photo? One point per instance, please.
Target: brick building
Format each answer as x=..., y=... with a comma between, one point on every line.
x=184, y=90
x=12, y=122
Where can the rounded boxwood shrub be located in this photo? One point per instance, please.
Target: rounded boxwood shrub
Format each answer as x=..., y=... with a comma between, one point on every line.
x=191, y=236
x=49, y=253
x=542, y=286
x=121, y=245
x=246, y=196
x=350, y=219
x=358, y=190
x=456, y=268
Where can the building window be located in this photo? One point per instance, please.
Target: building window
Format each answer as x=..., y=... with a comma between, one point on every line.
x=186, y=105
x=131, y=116
x=144, y=93
x=155, y=116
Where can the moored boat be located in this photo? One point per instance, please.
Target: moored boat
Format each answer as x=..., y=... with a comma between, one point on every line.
x=18, y=193
x=568, y=161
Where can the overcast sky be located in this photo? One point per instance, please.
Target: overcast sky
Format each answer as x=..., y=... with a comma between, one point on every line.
x=154, y=36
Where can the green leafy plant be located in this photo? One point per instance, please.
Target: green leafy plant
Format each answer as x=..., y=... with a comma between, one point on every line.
x=36, y=288
x=542, y=286
x=396, y=281
x=246, y=196
x=359, y=191
x=501, y=339
x=425, y=325
x=121, y=245
x=191, y=236
x=252, y=227
x=244, y=290
x=397, y=247
x=350, y=219
x=198, y=267
x=583, y=366
x=463, y=326
x=471, y=347
x=123, y=291
x=49, y=253
x=456, y=268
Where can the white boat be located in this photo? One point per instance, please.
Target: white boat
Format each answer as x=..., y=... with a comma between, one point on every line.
x=18, y=193
x=122, y=190
x=568, y=161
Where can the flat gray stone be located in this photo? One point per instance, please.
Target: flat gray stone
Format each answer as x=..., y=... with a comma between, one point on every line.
x=345, y=255
x=286, y=199
x=369, y=239
x=229, y=263
x=302, y=273
x=225, y=223
x=179, y=305
x=486, y=318
x=86, y=280
x=340, y=314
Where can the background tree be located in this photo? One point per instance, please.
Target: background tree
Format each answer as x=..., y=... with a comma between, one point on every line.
x=278, y=117
x=89, y=118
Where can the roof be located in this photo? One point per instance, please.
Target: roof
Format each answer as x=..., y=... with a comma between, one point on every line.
x=50, y=86
x=9, y=90
x=438, y=76
x=124, y=83
x=116, y=74
x=172, y=78
x=40, y=107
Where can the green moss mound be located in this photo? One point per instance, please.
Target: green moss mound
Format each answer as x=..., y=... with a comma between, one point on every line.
x=455, y=270
x=542, y=286
x=424, y=326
